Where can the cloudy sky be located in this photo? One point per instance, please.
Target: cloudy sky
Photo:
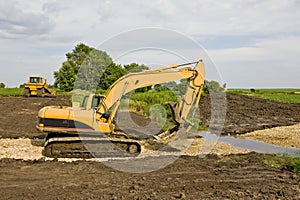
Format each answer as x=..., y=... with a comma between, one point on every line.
x=252, y=43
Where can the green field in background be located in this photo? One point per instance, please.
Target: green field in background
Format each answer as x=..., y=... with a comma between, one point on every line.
x=11, y=91
x=280, y=95
x=6, y=92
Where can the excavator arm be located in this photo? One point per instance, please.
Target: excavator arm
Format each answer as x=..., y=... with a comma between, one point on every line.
x=146, y=78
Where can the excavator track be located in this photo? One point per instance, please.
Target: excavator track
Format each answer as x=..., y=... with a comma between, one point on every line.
x=87, y=146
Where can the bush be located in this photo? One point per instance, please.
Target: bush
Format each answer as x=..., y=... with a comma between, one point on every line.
x=295, y=164
x=2, y=85
x=212, y=87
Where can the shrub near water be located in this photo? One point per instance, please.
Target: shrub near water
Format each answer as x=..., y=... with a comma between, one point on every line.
x=283, y=162
x=295, y=164
x=153, y=97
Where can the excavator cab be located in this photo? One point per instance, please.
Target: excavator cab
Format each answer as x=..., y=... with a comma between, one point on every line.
x=92, y=101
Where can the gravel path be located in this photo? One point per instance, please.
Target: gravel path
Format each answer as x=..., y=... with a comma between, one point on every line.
x=286, y=136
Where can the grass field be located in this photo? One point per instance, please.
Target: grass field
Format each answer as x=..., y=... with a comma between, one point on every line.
x=6, y=92
x=280, y=95
x=11, y=91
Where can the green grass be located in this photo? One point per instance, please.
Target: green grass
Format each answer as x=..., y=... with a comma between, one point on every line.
x=11, y=92
x=280, y=95
x=19, y=92
x=152, y=104
x=283, y=162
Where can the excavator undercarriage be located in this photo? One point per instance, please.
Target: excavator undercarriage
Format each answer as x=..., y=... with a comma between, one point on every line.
x=89, y=146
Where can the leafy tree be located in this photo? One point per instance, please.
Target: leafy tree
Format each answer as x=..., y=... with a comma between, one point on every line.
x=181, y=87
x=65, y=77
x=95, y=70
x=170, y=85
x=2, y=85
x=79, y=54
x=209, y=87
x=91, y=69
x=84, y=64
x=134, y=67
x=212, y=86
x=112, y=73
x=160, y=87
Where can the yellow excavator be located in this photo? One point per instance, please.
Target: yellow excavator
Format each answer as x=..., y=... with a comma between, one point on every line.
x=37, y=86
x=89, y=129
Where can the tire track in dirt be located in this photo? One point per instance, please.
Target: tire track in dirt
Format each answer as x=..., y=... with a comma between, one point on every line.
x=211, y=177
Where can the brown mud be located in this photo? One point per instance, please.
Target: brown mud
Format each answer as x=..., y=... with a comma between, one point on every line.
x=241, y=176
x=18, y=115
x=246, y=114
x=212, y=177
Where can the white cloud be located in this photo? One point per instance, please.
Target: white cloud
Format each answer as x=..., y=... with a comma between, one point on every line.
x=17, y=23
x=264, y=33
x=277, y=49
x=268, y=63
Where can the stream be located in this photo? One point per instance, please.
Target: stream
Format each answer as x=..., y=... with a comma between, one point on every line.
x=252, y=145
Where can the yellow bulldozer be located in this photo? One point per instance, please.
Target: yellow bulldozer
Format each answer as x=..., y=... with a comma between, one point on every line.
x=38, y=86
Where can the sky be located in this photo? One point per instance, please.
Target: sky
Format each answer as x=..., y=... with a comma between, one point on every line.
x=246, y=43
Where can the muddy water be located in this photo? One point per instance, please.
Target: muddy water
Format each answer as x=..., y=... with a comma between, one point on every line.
x=252, y=145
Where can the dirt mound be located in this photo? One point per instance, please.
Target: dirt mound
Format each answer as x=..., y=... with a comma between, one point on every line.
x=18, y=115
x=213, y=177
x=246, y=114
x=287, y=136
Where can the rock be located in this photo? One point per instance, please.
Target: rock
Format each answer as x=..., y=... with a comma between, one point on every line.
x=181, y=195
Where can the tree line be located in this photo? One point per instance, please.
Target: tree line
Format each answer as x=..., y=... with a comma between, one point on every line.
x=89, y=68
x=86, y=66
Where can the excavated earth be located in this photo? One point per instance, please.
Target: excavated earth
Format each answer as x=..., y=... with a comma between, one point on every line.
x=239, y=176
x=18, y=115
x=246, y=114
